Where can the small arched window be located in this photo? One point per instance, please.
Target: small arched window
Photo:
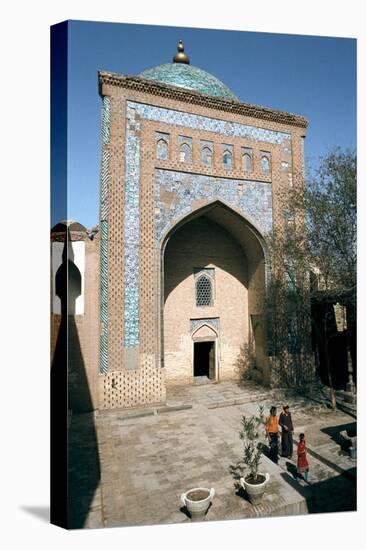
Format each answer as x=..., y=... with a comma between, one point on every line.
x=265, y=164
x=206, y=156
x=227, y=159
x=162, y=149
x=204, y=294
x=185, y=153
x=247, y=162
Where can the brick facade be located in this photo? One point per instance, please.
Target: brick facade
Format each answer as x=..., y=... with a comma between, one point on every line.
x=149, y=198
x=188, y=182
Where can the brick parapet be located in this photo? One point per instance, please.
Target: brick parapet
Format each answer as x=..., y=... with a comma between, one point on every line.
x=134, y=83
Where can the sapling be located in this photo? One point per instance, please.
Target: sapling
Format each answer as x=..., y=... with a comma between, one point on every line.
x=249, y=434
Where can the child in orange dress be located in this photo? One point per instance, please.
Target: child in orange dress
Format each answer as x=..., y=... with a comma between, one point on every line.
x=302, y=461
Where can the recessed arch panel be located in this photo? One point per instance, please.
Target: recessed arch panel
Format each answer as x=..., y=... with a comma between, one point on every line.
x=251, y=252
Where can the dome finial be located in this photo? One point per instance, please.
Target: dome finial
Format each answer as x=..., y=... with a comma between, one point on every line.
x=180, y=56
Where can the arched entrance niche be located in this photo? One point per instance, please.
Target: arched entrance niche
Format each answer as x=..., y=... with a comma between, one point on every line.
x=212, y=275
x=68, y=286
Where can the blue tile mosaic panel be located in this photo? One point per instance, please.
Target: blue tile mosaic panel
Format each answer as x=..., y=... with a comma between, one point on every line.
x=104, y=189
x=213, y=322
x=210, y=271
x=227, y=152
x=106, y=119
x=235, y=129
x=247, y=159
x=162, y=145
x=252, y=198
x=132, y=231
x=265, y=162
x=206, y=155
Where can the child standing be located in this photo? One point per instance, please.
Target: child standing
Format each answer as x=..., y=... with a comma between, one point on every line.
x=272, y=434
x=302, y=461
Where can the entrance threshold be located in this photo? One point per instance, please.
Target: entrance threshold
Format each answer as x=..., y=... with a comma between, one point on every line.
x=201, y=380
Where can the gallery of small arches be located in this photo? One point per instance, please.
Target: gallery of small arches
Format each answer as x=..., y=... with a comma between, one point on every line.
x=213, y=287
x=164, y=151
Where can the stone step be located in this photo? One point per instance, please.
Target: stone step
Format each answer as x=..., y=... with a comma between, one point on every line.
x=236, y=401
x=151, y=411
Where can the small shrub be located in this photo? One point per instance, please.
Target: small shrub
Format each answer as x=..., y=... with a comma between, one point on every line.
x=252, y=450
x=245, y=363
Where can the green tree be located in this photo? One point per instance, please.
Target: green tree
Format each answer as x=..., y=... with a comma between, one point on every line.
x=331, y=206
x=319, y=237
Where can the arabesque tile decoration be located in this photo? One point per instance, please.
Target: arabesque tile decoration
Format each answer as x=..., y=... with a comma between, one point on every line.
x=252, y=198
x=213, y=322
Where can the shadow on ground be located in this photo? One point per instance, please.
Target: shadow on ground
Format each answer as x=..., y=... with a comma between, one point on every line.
x=75, y=470
x=334, y=431
x=237, y=471
x=84, y=469
x=337, y=494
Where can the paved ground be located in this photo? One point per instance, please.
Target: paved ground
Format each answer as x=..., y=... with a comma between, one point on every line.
x=147, y=458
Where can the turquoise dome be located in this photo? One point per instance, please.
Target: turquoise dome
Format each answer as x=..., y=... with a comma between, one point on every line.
x=189, y=77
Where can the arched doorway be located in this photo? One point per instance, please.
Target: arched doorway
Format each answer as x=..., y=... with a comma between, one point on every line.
x=205, y=353
x=213, y=275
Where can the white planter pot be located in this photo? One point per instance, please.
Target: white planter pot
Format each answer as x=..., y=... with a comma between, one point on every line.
x=197, y=501
x=255, y=491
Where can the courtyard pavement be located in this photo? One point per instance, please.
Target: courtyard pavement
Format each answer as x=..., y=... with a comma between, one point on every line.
x=140, y=461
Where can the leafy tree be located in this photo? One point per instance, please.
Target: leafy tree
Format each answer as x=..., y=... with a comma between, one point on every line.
x=319, y=235
x=331, y=204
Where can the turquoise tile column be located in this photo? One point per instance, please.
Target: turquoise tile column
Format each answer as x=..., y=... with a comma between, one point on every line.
x=104, y=189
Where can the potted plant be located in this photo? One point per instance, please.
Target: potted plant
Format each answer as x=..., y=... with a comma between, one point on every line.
x=254, y=482
x=197, y=501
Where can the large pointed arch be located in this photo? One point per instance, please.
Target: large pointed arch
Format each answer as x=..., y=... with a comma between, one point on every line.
x=251, y=241
x=209, y=206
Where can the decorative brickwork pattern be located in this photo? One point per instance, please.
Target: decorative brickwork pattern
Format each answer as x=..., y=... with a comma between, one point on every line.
x=104, y=190
x=122, y=389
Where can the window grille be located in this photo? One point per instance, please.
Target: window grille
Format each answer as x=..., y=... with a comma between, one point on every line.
x=203, y=291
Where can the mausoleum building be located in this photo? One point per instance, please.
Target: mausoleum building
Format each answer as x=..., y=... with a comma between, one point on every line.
x=192, y=184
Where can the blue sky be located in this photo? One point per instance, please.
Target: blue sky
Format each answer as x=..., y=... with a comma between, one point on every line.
x=309, y=75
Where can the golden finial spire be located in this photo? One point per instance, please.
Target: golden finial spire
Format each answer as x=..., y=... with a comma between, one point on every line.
x=180, y=56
